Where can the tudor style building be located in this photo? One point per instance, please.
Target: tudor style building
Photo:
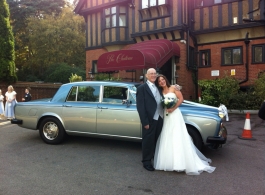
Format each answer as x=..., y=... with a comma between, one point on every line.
x=185, y=40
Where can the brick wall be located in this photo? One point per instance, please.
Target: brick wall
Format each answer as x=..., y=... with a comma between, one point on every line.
x=38, y=90
x=240, y=70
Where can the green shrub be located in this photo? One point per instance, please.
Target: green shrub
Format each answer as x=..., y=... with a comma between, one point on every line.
x=244, y=100
x=61, y=72
x=75, y=78
x=106, y=77
x=259, y=87
x=226, y=91
x=218, y=91
x=101, y=77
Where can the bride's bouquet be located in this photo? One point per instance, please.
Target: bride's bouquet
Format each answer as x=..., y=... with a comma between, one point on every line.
x=168, y=102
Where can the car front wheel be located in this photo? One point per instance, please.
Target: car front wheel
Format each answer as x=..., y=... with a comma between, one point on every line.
x=51, y=131
x=196, y=138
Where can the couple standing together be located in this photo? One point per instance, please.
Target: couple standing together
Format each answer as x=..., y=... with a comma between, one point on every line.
x=165, y=137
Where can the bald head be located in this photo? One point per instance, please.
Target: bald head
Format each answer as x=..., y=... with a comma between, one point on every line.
x=151, y=75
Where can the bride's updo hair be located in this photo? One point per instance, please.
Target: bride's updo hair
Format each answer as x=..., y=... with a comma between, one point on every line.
x=160, y=75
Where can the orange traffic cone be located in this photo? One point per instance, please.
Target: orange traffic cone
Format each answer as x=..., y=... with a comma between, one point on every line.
x=247, y=134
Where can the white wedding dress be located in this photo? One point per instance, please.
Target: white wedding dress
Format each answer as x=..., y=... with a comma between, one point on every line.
x=175, y=150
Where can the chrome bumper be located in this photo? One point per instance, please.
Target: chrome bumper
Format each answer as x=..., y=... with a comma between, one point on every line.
x=220, y=139
x=16, y=121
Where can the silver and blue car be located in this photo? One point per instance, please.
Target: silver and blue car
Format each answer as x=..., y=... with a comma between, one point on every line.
x=108, y=110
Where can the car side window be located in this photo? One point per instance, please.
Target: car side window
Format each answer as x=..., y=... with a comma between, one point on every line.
x=131, y=98
x=114, y=95
x=84, y=93
x=72, y=94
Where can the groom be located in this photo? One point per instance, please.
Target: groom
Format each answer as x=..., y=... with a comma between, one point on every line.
x=151, y=115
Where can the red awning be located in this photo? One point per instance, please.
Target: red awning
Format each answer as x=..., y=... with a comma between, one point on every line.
x=143, y=55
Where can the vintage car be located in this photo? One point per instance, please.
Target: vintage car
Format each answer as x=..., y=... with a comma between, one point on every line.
x=108, y=110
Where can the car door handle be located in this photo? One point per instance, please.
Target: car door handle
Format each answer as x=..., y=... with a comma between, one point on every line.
x=67, y=105
x=102, y=107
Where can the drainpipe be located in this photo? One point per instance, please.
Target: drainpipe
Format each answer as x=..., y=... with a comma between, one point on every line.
x=188, y=47
x=247, y=58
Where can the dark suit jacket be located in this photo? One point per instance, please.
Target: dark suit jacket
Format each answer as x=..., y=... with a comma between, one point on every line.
x=27, y=97
x=146, y=104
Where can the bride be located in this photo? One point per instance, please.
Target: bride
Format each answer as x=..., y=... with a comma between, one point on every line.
x=175, y=150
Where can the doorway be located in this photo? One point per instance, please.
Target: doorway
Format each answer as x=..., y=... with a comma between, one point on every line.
x=166, y=70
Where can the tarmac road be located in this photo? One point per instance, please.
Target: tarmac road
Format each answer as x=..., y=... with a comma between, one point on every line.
x=83, y=166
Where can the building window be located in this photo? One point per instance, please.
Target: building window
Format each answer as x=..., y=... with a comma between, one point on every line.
x=115, y=16
x=232, y=56
x=258, y=53
x=203, y=3
x=217, y=1
x=153, y=9
x=94, y=69
x=150, y=3
x=204, y=56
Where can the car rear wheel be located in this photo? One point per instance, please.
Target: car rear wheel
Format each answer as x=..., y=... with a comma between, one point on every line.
x=51, y=131
x=196, y=138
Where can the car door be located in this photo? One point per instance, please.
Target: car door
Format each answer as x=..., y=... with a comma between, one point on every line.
x=115, y=116
x=80, y=109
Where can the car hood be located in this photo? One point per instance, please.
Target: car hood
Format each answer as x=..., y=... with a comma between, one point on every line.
x=189, y=107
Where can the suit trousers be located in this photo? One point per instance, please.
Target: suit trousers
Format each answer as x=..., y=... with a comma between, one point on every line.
x=149, y=139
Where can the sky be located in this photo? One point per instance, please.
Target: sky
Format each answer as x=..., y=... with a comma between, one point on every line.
x=71, y=1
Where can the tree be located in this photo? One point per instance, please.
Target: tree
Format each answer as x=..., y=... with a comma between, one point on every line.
x=20, y=11
x=55, y=39
x=7, y=52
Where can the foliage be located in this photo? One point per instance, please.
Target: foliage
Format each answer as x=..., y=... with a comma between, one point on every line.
x=244, y=101
x=61, y=73
x=20, y=12
x=75, y=78
x=106, y=77
x=7, y=52
x=56, y=40
x=219, y=91
x=259, y=87
x=46, y=32
x=226, y=91
x=101, y=77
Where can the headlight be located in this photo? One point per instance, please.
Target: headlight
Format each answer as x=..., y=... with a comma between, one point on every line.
x=223, y=131
x=221, y=114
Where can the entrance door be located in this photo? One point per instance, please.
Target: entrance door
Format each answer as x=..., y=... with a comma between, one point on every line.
x=166, y=70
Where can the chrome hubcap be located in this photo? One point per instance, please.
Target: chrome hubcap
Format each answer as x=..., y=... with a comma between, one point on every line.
x=50, y=130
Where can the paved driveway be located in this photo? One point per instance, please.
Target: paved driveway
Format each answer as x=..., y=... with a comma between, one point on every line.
x=98, y=166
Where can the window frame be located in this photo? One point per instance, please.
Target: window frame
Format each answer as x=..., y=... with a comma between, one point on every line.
x=157, y=11
x=253, y=53
x=109, y=99
x=208, y=51
x=231, y=49
x=94, y=69
x=117, y=15
x=157, y=3
x=81, y=89
x=206, y=3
